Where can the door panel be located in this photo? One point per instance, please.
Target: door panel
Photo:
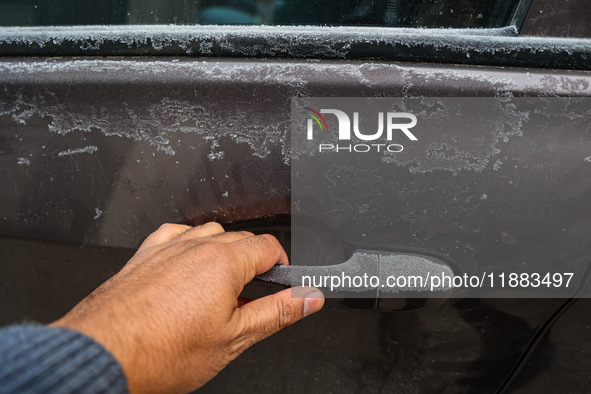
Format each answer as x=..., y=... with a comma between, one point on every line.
x=99, y=152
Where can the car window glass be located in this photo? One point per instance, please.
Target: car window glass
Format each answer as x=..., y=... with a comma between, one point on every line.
x=395, y=13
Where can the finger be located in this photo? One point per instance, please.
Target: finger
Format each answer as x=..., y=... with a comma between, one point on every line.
x=252, y=256
x=265, y=316
x=202, y=231
x=230, y=236
x=166, y=232
x=188, y=242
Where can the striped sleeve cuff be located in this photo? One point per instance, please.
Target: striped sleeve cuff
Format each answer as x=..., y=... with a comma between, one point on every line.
x=39, y=359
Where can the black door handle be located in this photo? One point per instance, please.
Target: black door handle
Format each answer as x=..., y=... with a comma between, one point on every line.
x=373, y=281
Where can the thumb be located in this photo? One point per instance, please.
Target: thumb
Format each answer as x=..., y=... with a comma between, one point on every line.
x=265, y=316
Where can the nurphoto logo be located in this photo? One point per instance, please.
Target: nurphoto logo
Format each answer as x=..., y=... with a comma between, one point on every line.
x=397, y=124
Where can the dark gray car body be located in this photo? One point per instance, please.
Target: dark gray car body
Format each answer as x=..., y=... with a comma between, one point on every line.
x=95, y=153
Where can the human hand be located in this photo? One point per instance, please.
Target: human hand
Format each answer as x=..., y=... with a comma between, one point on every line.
x=172, y=316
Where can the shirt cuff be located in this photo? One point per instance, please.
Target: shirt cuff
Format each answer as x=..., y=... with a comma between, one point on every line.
x=42, y=359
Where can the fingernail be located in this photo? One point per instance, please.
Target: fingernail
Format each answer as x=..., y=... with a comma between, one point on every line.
x=313, y=302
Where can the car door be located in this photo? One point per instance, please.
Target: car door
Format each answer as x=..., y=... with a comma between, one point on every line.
x=119, y=116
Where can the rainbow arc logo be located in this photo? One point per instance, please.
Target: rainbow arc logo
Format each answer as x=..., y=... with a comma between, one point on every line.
x=315, y=115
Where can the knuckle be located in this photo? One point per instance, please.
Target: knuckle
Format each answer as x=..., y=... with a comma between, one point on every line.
x=233, y=235
x=268, y=241
x=170, y=228
x=287, y=314
x=213, y=226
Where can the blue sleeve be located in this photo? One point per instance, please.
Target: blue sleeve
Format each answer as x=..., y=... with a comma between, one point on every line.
x=39, y=359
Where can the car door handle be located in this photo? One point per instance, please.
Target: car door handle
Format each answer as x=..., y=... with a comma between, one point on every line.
x=367, y=280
